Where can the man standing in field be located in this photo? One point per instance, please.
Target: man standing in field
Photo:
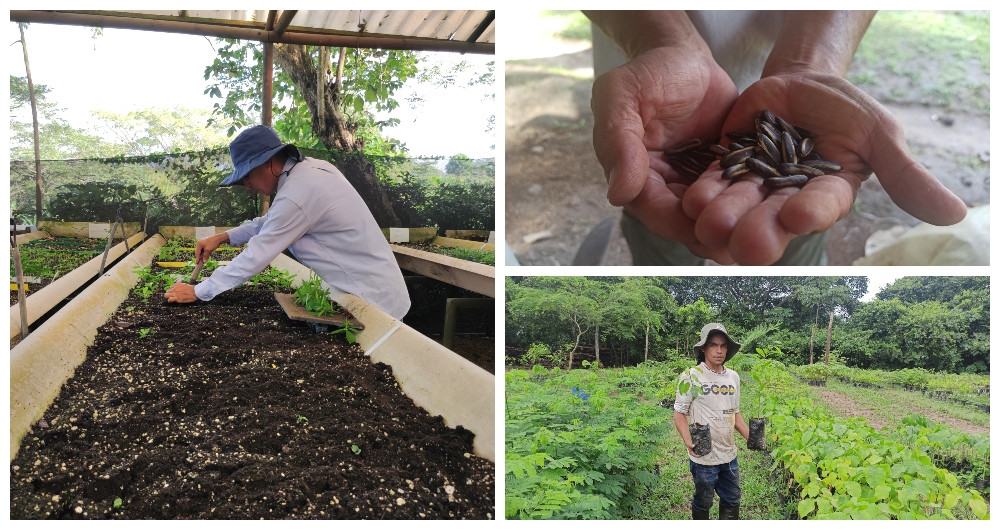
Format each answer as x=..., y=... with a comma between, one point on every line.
x=714, y=400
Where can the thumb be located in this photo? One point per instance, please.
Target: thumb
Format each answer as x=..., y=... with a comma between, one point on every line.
x=909, y=184
x=618, y=139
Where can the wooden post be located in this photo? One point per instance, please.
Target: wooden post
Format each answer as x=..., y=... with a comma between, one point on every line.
x=34, y=124
x=15, y=255
x=267, y=93
x=829, y=333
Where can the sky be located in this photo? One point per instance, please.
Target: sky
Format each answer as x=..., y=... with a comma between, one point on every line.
x=125, y=70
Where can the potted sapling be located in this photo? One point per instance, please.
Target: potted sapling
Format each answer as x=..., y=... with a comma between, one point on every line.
x=701, y=435
x=757, y=424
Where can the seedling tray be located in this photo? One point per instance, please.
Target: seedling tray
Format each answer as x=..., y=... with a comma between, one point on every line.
x=297, y=312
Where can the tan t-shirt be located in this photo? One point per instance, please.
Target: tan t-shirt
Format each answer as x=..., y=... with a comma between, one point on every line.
x=716, y=405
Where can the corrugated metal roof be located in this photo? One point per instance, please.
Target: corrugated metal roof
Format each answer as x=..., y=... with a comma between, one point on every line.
x=454, y=30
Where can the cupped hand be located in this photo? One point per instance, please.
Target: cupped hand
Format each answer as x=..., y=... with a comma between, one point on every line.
x=755, y=224
x=662, y=97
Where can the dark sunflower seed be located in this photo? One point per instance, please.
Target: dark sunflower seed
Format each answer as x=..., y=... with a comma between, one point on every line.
x=718, y=150
x=685, y=146
x=788, y=148
x=805, y=147
x=804, y=133
x=824, y=165
x=769, y=148
x=761, y=168
x=737, y=156
x=735, y=171
x=768, y=116
x=784, y=182
x=799, y=169
x=738, y=135
x=770, y=131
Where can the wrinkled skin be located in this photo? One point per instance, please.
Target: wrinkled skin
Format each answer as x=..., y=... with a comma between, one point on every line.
x=666, y=96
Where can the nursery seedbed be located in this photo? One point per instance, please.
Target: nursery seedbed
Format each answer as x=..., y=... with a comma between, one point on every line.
x=48, y=258
x=227, y=410
x=486, y=257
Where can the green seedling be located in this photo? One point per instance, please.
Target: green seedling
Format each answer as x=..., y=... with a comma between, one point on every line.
x=350, y=332
x=117, y=504
x=312, y=296
x=301, y=419
x=355, y=449
x=145, y=332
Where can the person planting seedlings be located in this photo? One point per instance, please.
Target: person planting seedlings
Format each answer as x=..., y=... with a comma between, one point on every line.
x=714, y=400
x=316, y=214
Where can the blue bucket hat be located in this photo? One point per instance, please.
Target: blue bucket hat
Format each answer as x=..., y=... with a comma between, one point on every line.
x=252, y=148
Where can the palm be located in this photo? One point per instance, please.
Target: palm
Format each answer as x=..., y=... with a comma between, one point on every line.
x=756, y=224
x=661, y=98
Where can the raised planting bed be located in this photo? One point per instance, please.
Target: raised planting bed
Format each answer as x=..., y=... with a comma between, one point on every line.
x=475, y=253
x=228, y=409
x=475, y=277
x=61, y=265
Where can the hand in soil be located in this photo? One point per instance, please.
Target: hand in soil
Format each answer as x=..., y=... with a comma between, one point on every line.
x=755, y=224
x=181, y=293
x=662, y=97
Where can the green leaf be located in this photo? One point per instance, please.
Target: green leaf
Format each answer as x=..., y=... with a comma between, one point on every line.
x=874, y=476
x=979, y=508
x=806, y=506
x=852, y=488
x=882, y=491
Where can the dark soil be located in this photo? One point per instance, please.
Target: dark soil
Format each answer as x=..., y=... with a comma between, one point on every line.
x=228, y=410
x=701, y=436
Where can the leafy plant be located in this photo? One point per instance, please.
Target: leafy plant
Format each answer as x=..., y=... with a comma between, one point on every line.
x=145, y=332
x=273, y=279
x=350, y=332
x=355, y=449
x=312, y=296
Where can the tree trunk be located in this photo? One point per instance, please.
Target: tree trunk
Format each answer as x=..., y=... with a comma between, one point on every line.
x=829, y=333
x=337, y=132
x=646, y=352
x=812, y=339
x=597, y=344
x=324, y=65
x=576, y=343
x=34, y=124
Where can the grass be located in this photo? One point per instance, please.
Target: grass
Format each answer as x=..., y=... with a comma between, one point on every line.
x=577, y=25
x=939, y=58
x=885, y=403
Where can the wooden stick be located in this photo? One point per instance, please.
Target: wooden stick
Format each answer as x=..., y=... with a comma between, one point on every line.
x=197, y=269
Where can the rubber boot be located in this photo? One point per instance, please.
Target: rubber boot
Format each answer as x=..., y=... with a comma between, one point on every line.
x=697, y=514
x=729, y=512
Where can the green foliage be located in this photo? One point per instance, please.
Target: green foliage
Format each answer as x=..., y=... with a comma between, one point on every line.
x=349, y=331
x=145, y=332
x=53, y=258
x=573, y=458
x=151, y=282
x=845, y=469
x=541, y=354
x=273, y=279
x=486, y=257
x=312, y=296
x=445, y=202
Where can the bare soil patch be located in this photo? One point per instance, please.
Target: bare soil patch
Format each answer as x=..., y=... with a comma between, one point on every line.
x=228, y=410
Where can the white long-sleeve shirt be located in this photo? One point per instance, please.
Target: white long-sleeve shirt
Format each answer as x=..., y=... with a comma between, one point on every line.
x=325, y=224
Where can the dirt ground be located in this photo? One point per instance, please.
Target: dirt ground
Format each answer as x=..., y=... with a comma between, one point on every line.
x=228, y=410
x=555, y=188
x=847, y=407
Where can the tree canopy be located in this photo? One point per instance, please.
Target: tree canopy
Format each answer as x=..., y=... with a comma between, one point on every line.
x=937, y=323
